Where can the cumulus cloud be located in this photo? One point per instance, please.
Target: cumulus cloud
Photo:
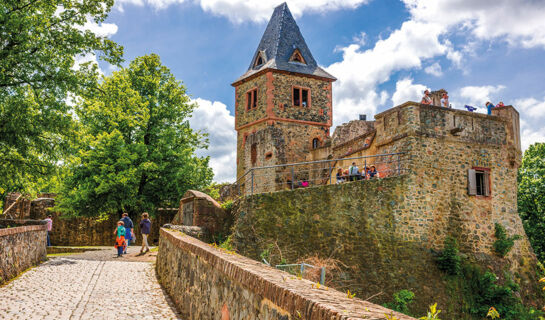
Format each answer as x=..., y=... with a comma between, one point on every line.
x=361, y=71
x=238, y=11
x=214, y=119
x=479, y=95
x=519, y=22
x=102, y=29
x=531, y=107
x=406, y=90
x=434, y=70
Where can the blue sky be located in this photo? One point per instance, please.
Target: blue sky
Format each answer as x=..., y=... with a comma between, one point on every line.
x=383, y=52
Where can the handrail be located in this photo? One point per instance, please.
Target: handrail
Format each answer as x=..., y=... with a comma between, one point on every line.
x=316, y=161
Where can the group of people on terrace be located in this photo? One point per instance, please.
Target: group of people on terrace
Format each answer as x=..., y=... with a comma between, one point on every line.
x=353, y=173
x=427, y=99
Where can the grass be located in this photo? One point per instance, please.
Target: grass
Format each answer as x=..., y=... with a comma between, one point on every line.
x=62, y=254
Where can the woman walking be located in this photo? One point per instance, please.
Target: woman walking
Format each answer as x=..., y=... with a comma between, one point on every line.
x=145, y=228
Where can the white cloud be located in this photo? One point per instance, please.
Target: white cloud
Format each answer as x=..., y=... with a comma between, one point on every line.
x=102, y=29
x=479, y=95
x=361, y=72
x=360, y=39
x=531, y=107
x=434, y=70
x=519, y=22
x=217, y=121
x=407, y=91
x=238, y=11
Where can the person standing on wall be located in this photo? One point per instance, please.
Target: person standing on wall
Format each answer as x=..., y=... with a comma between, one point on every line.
x=49, y=224
x=145, y=228
x=129, y=227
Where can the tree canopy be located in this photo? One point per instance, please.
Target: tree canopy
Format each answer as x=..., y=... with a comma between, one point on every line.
x=531, y=196
x=136, y=150
x=40, y=41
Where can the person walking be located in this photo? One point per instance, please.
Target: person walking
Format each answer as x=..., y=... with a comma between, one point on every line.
x=129, y=230
x=49, y=225
x=120, y=243
x=145, y=229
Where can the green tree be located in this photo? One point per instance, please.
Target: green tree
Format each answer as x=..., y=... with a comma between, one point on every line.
x=136, y=148
x=531, y=196
x=39, y=42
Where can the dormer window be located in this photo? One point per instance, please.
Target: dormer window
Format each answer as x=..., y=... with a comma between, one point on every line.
x=260, y=59
x=296, y=56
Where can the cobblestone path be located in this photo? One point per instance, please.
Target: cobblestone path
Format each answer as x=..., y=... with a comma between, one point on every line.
x=92, y=285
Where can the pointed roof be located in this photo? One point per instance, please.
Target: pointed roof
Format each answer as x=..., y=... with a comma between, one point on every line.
x=281, y=38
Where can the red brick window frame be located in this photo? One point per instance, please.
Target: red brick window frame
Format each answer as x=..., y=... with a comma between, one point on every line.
x=251, y=99
x=479, y=182
x=315, y=143
x=300, y=96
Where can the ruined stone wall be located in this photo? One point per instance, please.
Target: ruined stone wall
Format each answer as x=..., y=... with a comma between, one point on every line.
x=21, y=248
x=351, y=130
x=207, y=283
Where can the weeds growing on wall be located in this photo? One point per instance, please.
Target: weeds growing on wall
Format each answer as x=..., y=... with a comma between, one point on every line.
x=401, y=302
x=503, y=243
x=449, y=260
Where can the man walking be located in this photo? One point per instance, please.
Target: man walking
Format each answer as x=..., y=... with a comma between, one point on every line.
x=145, y=228
x=129, y=227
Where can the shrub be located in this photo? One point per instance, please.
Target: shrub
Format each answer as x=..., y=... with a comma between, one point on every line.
x=401, y=302
x=449, y=260
x=503, y=243
x=227, y=205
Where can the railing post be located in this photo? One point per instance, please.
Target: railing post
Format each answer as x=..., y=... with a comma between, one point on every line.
x=364, y=169
x=322, y=276
x=398, y=165
x=302, y=269
x=252, y=181
x=330, y=172
x=292, y=177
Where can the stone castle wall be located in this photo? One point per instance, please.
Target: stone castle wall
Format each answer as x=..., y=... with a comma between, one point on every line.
x=20, y=249
x=207, y=283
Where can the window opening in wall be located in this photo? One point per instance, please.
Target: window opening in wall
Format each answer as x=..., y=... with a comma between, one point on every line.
x=253, y=153
x=251, y=99
x=259, y=60
x=301, y=97
x=296, y=56
x=479, y=182
x=268, y=155
x=315, y=143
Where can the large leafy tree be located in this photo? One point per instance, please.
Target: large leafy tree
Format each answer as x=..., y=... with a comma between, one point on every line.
x=137, y=150
x=531, y=196
x=40, y=41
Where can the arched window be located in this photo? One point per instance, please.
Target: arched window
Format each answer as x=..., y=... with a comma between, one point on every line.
x=260, y=59
x=315, y=143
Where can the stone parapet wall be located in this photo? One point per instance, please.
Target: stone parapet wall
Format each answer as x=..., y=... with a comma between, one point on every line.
x=21, y=248
x=207, y=283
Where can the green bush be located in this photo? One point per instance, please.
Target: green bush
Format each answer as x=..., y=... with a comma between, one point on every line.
x=227, y=205
x=401, y=302
x=449, y=260
x=503, y=243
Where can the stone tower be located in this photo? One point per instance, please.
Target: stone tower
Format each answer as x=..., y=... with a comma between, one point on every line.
x=283, y=101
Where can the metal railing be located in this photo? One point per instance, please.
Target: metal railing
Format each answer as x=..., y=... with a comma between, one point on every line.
x=301, y=271
x=321, y=172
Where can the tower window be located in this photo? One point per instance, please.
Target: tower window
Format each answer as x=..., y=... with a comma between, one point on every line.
x=315, y=143
x=479, y=182
x=301, y=97
x=251, y=99
x=260, y=59
x=296, y=56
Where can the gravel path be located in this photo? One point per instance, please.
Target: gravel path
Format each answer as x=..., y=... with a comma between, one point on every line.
x=91, y=285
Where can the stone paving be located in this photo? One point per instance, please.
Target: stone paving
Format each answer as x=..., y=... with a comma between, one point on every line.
x=92, y=285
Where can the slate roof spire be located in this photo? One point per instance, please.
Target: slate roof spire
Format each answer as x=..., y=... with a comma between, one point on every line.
x=281, y=39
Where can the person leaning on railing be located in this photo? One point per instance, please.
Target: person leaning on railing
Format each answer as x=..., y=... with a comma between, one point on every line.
x=340, y=176
x=372, y=173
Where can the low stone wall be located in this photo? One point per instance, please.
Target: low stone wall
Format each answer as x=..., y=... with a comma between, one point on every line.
x=208, y=283
x=83, y=231
x=21, y=248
